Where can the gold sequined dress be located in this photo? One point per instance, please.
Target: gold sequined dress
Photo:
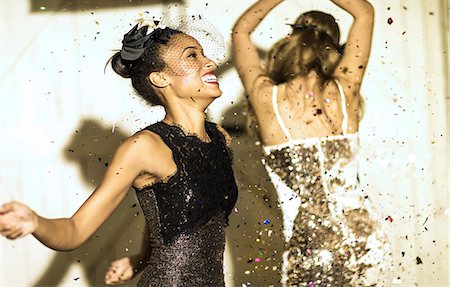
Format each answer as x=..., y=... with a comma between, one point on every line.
x=332, y=232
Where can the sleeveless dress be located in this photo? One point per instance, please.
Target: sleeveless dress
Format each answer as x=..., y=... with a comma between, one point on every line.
x=333, y=236
x=187, y=214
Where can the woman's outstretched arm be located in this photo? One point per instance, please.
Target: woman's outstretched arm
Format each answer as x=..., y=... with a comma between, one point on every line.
x=18, y=220
x=245, y=55
x=357, y=48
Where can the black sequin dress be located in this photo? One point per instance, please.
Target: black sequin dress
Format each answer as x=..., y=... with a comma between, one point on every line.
x=187, y=214
x=334, y=236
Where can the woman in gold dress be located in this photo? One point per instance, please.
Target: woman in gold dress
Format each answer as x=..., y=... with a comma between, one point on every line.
x=307, y=104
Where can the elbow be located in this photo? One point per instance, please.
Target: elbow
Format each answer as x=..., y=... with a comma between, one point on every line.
x=364, y=10
x=368, y=9
x=73, y=238
x=235, y=29
x=240, y=30
x=62, y=246
x=236, y=33
x=65, y=248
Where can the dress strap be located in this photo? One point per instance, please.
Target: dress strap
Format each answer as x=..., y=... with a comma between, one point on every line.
x=277, y=113
x=344, y=108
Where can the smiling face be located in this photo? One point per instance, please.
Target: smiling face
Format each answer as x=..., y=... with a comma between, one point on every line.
x=191, y=74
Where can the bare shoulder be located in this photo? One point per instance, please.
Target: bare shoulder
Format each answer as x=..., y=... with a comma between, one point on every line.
x=142, y=141
x=141, y=147
x=262, y=83
x=260, y=96
x=227, y=136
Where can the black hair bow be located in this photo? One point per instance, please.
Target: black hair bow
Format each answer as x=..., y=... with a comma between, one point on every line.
x=134, y=43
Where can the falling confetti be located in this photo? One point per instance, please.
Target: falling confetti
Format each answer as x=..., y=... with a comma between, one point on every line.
x=418, y=260
x=267, y=221
x=390, y=21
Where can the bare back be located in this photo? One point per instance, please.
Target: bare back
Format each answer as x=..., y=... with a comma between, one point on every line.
x=315, y=109
x=306, y=109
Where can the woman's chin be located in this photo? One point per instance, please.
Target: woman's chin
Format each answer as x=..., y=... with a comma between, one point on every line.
x=218, y=94
x=215, y=93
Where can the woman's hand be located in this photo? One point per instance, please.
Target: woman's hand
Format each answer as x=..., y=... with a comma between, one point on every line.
x=120, y=271
x=17, y=220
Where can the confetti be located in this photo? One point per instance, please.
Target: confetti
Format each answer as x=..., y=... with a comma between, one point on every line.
x=418, y=260
x=390, y=21
x=317, y=112
x=267, y=221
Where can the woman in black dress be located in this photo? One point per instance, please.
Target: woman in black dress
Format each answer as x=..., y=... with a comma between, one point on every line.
x=180, y=168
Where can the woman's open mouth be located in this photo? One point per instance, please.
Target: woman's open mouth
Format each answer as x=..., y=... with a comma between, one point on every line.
x=210, y=79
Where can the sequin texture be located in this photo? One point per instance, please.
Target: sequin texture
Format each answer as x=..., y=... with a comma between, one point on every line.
x=333, y=236
x=187, y=214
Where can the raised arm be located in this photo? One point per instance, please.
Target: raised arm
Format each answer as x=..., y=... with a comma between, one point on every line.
x=357, y=49
x=17, y=220
x=245, y=55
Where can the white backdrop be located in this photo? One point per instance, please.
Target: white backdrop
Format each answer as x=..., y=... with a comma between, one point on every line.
x=62, y=116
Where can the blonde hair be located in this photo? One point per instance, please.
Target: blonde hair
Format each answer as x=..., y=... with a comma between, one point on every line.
x=313, y=45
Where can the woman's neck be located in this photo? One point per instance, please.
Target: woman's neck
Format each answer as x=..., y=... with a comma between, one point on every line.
x=187, y=113
x=192, y=122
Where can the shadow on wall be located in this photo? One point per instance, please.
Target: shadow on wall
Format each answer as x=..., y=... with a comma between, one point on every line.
x=254, y=237
x=79, y=5
x=91, y=149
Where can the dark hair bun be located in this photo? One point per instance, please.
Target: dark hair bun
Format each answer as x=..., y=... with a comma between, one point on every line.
x=119, y=66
